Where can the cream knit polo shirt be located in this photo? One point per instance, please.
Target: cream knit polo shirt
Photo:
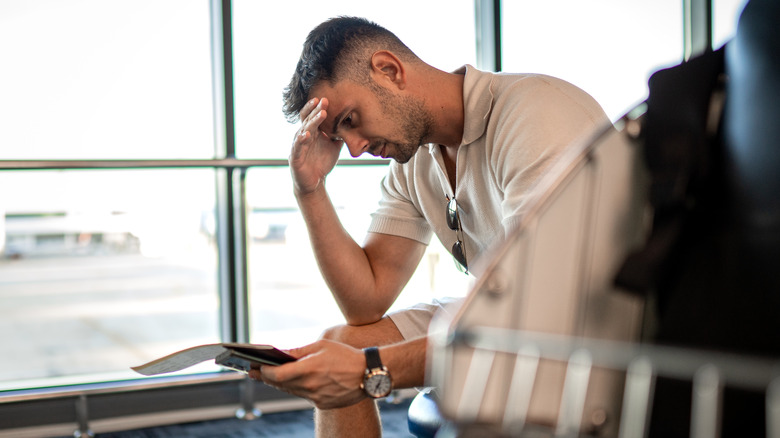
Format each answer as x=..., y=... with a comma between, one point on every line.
x=515, y=126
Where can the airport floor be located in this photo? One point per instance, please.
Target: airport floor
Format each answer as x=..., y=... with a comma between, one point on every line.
x=292, y=424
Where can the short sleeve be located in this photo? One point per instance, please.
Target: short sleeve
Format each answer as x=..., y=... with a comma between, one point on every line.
x=397, y=214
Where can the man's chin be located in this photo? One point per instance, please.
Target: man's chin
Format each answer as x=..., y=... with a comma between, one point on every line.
x=405, y=155
x=402, y=158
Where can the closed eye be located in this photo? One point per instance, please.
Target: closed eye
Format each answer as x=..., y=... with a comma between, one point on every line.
x=347, y=122
x=343, y=122
x=332, y=137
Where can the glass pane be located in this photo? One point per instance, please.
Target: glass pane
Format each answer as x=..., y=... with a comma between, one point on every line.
x=290, y=302
x=103, y=270
x=96, y=79
x=267, y=43
x=609, y=48
x=288, y=298
x=725, y=15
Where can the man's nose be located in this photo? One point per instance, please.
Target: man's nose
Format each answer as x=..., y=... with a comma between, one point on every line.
x=356, y=144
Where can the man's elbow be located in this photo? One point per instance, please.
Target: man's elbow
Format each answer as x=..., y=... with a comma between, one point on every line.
x=363, y=318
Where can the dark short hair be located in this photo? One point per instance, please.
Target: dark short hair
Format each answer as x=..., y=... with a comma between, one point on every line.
x=326, y=53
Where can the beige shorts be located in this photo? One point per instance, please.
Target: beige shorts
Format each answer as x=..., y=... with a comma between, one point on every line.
x=413, y=322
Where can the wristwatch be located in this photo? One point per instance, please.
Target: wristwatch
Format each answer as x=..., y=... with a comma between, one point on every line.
x=376, y=381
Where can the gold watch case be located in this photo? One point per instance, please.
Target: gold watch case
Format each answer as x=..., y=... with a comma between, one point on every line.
x=377, y=382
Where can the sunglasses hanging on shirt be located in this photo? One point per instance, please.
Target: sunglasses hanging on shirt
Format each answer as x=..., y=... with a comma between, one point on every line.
x=459, y=247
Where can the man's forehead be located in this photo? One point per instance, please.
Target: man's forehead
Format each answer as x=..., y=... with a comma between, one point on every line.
x=319, y=89
x=331, y=91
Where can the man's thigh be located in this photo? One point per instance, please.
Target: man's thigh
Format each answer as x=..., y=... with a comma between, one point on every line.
x=382, y=332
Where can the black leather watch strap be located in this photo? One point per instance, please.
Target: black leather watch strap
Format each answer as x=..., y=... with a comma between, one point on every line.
x=372, y=358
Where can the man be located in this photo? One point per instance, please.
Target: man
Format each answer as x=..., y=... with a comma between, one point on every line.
x=467, y=148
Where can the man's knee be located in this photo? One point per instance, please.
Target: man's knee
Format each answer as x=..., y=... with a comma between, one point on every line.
x=382, y=332
x=336, y=333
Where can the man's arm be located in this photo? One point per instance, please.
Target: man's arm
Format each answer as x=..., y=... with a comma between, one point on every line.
x=364, y=280
x=329, y=373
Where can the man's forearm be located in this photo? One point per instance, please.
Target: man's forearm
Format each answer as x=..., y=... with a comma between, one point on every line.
x=405, y=362
x=343, y=263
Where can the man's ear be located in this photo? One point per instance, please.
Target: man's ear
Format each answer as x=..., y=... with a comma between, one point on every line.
x=387, y=69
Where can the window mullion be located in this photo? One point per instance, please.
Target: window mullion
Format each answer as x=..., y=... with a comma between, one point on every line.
x=697, y=27
x=488, y=31
x=231, y=207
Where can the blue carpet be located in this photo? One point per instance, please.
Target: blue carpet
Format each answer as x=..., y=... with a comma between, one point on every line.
x=292, y=424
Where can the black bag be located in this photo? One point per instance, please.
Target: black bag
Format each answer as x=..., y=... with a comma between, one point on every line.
x=712, y=260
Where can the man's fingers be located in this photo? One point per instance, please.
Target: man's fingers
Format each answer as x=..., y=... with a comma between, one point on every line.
x=291, y=370
x=281, y=373
x=268, y=373
x=313, y=114
x=311, y=126
x=308, y=108
x=305, y=350
x=255, y=373
x=312, y=109
x=315, y=120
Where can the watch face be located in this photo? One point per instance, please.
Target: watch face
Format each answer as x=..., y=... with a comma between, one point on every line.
x=378, y=385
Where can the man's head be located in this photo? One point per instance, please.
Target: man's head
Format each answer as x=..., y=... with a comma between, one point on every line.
x=338, y=49
x=360, y=68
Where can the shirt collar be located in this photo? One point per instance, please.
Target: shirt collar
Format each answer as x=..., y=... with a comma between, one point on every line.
x=477, y=103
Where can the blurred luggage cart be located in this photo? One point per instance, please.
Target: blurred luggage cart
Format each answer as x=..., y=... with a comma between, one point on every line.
x=553, y=274
x=710, y=372
x=545, y=344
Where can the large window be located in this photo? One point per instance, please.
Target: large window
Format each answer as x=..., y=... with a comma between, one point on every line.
x=96, y=79
x=103, y=269
x=609, y=48
x=725, y=15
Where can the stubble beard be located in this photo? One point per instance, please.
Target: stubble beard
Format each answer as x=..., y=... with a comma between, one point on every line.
x=415, y=120
x=417, y=124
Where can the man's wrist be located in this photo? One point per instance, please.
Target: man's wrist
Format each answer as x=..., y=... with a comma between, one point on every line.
x=314, y=194
x=301, y=193
x=377, y=382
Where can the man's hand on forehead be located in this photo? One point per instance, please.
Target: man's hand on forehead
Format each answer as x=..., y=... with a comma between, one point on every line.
x=315, y=113
x=312, y=114
x=313, y=153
